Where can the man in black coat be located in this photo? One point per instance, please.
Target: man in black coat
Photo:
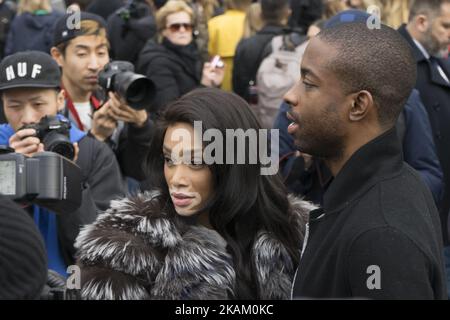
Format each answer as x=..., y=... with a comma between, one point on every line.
x=428, y=34
x=29, y=85
x=378, y=234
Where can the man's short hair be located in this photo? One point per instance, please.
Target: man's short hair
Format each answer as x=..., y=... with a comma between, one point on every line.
x=430, y=8
x=273, y=10
x=379, y=61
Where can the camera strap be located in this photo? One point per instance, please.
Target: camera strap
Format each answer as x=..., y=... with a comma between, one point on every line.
x=70, y=108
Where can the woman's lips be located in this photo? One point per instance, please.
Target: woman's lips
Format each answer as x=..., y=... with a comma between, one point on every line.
x=181, y=200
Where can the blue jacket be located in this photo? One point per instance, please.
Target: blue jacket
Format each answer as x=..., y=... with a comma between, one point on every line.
x=45, y=219
x=419, y=150
x=102, y=183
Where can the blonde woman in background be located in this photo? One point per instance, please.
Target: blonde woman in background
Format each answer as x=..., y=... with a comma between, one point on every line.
x=253, y=20
x=225, y=32
x=32, y=28
x=173, y=62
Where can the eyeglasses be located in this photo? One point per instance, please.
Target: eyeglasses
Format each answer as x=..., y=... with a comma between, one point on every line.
x=177, y=26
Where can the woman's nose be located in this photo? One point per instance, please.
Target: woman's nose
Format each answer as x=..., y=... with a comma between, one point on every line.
x=179, y=176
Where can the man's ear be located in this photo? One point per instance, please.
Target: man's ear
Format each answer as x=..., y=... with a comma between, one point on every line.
x=361, y=104
x=422, y=23
x=57, y=56
x=61, y=100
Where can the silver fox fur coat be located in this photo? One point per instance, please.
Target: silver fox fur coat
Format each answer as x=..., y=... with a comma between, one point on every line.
x=135, y=251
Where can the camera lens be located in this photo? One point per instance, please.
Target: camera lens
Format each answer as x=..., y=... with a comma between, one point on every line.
x=137, y=90
x=63, y=148
x=60, y=144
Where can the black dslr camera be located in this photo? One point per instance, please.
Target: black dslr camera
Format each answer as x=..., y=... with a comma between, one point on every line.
x=46, y=179
x=54, y=134
x=119, y=77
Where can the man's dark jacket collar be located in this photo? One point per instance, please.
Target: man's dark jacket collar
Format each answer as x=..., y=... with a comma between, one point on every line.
x=418, y=55
x=373, y=162
x=420, y=58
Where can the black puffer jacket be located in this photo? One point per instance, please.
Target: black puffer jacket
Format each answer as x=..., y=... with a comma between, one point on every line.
x=175, y=70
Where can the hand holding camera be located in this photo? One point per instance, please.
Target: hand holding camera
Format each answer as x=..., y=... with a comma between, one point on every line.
x=136, y=90
x=30, y=174
x=120, y=111
x=25, y=142
x=103, y=125
x=129, y=95
x=50, y=134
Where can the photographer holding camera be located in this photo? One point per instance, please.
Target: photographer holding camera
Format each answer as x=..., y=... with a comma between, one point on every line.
x=82, y=53
x=31, y=95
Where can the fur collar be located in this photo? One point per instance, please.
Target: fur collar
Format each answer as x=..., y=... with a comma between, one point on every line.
x=135, y=251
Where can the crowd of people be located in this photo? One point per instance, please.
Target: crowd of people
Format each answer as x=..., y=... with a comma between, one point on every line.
x=355, y=93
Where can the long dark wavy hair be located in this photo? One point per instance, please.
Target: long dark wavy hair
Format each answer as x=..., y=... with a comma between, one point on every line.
x=243, y=201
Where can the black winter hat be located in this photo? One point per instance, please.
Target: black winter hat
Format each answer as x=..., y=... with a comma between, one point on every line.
x=67, y=27
x=31, y=69
x=23, y=259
